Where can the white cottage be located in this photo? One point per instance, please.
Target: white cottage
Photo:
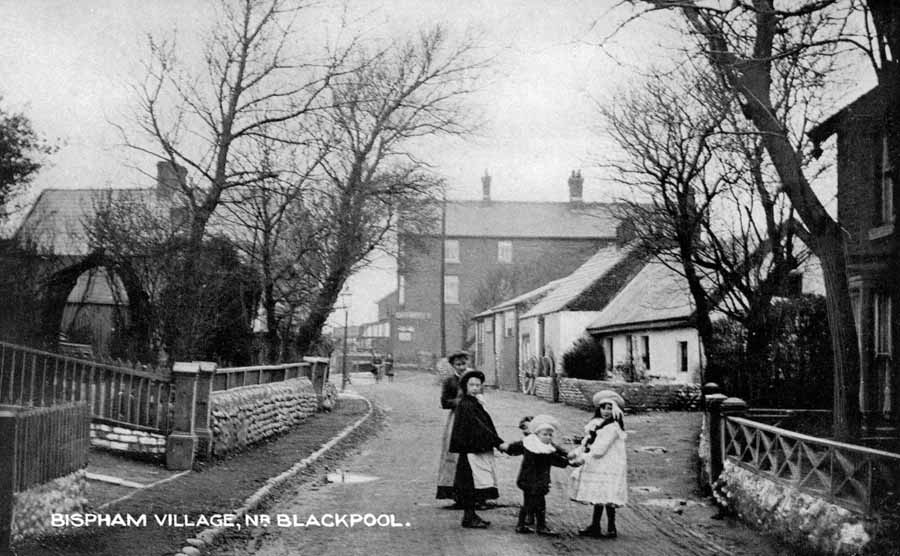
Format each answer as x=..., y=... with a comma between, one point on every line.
x=560, y=318
x=649, y=324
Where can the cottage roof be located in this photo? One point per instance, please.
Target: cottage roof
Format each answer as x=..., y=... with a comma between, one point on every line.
x=657, y=295
x=520, y=219
x=57, y=222
x=529, y=296
x=592, y=275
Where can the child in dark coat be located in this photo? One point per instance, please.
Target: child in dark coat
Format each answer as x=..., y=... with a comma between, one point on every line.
x=539, y=454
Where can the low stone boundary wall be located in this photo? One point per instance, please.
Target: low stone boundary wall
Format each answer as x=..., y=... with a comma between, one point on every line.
x=131, y=441
x=32, y=508
x=543, y=388
x=243, y=416
x=799, y=518
x=640, y=396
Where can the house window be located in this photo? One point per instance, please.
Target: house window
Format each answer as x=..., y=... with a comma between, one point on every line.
x=451, y=289
x=883, y=325
x=405, y=333
x=509, y=319
x=504, y=252
x=401, y=291
x=608, y=353
x=683, y=356
x=451, y=251
x=886, y=184
x=629, y=349
x=489, y=325
x=645, y=352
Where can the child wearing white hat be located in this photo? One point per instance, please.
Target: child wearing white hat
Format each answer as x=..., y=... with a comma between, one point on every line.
x=539, y=454
x=603, y=480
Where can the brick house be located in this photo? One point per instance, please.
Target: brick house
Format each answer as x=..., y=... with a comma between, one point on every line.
x=506, y=246
x=866, y=178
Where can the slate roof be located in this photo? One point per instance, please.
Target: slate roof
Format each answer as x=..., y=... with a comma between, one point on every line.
x=56, y=221
x=529, y=296
x=519, y=219
x=656, y=295
x=591, y=276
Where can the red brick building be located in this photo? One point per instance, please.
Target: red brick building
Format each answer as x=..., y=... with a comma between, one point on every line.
x=867, y=178
x=491, y=250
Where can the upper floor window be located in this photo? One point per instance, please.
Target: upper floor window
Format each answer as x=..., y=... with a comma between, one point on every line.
x=451, y=289
x=509, y=321
x=504, y=252
x=401, y=290
x=886, y=184
x=451, y=251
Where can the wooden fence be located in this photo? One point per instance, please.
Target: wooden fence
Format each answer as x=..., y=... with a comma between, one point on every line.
x=136, y=397
x=227, y=378
x=855, y=477
x=38, y=444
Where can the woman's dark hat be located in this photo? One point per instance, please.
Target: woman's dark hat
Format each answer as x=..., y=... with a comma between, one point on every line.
x=469, y=375
x=457, y=355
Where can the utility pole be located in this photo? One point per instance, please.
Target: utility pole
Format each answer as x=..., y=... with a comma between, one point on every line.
x=346, y=299
x=443, y=275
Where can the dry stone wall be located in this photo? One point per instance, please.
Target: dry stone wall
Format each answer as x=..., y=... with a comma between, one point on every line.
x=246, y=415
x=638, y=395
x=33, y=508
x=131, y=441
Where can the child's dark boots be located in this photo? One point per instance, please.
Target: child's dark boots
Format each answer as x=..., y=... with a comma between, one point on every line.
x=611, y=523
x=541, y=525
x=594, y=530
x=523, y=526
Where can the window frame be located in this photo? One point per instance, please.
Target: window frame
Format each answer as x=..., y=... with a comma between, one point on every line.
x=448, y=289
x=504, y=247
x=451, y=254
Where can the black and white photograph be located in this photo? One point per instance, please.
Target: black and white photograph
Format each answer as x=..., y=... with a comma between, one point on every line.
x=415, y=277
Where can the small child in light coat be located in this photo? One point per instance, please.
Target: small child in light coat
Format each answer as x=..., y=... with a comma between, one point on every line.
x=603, y=480
x=539, y=454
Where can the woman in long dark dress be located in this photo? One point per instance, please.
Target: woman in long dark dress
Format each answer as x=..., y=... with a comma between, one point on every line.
x=474, y=438
x=449, y=398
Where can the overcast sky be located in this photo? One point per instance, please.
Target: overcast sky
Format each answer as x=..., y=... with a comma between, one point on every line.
x=68, y=65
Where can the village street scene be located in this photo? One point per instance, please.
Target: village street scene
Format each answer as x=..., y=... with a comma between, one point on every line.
x=515, y=277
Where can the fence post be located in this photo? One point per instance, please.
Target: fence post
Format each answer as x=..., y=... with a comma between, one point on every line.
x=202, y=409
x=180, y=444
x=7, y=476
x=716, y=457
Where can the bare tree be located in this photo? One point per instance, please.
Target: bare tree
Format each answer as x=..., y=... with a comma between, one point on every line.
x=383, y=110
x=254, y=85
x=743, y=42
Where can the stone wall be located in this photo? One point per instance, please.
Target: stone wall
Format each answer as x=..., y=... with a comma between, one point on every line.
x=638, y=396
x=803, y=520
x=243, y=416
x=543, y=388
x=32, y=508
x=121, y=439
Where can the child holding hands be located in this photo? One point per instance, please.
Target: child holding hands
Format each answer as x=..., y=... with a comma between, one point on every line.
x=602, y=481
x=539, y=454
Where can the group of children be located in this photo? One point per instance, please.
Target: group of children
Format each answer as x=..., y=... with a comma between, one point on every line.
x=600, y=477
x=466, y=473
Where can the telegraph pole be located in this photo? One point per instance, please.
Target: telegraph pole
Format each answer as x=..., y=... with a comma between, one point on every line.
x=344, y=380
x=443, y=275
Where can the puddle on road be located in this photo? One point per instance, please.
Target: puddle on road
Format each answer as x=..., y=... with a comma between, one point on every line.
x=348, y=477
x=670, y=503
x=645, y=489
x=652, y=449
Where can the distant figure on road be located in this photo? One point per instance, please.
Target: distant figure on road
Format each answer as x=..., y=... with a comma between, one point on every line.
x=474, y=438
x=389, y=366
x=449, y=398
x=603, y=481
x=377, y=369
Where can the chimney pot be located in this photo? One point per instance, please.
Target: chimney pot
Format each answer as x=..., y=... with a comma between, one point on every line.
x=486, y=186
x=169, y=179
x=576, y=186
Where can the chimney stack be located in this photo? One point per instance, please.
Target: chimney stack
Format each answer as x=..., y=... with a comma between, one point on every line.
x=486, y=186
x=576, y=186
x=169, y=180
